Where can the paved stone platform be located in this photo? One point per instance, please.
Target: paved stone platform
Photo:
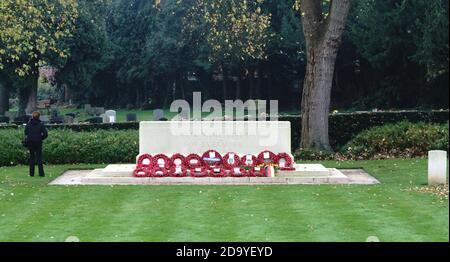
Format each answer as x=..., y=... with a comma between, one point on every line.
x=121, y=176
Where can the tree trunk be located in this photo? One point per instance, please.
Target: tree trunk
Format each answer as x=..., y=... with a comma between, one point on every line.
x=238, y=87
x=168, y=91
x=146, y=88
x=181, y=85
x=316, y=99
x=269, y=83
x=204, y=81
x=4, y=98
x=323, y=37
x=251, y=86
x=138, y=95
x=258, y=83
x=225, y=84
x=174, y=91
x=23, y=99
x=66, y=93
x=32, y=92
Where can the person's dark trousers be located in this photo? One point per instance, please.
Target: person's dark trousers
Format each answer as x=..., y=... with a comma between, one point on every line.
x=36, y=157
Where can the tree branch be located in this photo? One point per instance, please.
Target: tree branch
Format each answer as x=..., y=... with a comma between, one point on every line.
x=312, y=18
x=337, y=18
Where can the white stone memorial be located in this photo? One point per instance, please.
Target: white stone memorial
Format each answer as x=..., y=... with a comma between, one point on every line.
x=437, y=167
x=241, y=137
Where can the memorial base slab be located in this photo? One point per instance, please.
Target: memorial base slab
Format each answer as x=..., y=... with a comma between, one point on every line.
x=304, y=174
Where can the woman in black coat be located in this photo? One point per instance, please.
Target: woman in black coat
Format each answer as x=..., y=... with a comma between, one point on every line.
x=35, y=133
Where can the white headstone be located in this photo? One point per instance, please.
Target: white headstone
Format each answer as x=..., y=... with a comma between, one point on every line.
x=437, y=167
x=44, y=119
x=158, y=114
x=110, y=116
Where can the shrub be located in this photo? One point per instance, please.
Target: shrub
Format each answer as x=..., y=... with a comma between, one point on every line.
x=67, y=146
x=344, y=127
x=403, y=139
x=84, y=127
x=302, y=154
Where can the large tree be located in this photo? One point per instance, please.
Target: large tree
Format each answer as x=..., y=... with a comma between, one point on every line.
x=323, y=26
x=237, y=32
x=88, y=52
x=32, y=34
x=129, y=25
x=406, y=45
x=168, y=56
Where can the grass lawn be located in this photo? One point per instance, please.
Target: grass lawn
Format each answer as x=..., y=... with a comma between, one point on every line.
x=142, y=115
x=30, y=210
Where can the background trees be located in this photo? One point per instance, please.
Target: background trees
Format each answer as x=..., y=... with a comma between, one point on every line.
x=404, y=46
x=88, y=52
x=237, y=35
x=32, y=34
x=144, y=54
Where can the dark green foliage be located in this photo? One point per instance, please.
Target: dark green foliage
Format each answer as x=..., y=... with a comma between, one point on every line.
x=4, y=119
x=86, y=127
x=138, y=55
x=89, y=52
x=66, y=146
x=119, y=142
x=95, y=120
x=305, y=155
x=399, y=140
x=402, y=52
x=402, y=139
x=344, y=127
x=131, y=53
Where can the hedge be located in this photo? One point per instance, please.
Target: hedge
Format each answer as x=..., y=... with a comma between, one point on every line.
x=404, y=140
x=85, y=127
x=67, y=146
x=64, y=146
x=399, y=140
x=343, y=127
